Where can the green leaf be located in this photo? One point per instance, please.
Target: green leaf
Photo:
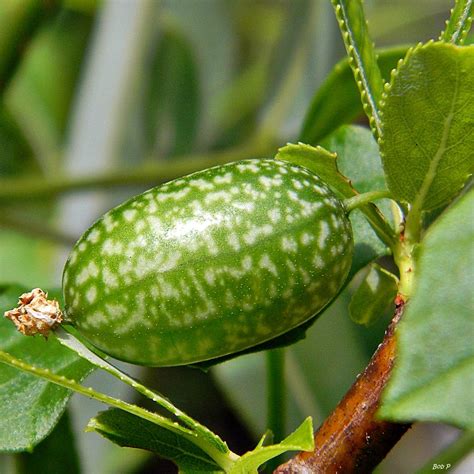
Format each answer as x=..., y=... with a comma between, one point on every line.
x=19, y=20
x=363, y=61
x=321, y=162
x=358, y=157
x=459, y=23
x=428, y=115
x=125, y=429
x=337, y=101
x=300, y=440
x=41, y=92
x=30, y=407
x=54, y=455
x=434, y=371
x=172, y=100
x=374, y=296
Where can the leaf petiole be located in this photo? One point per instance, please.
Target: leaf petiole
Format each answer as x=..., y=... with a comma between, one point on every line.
x=363, y=199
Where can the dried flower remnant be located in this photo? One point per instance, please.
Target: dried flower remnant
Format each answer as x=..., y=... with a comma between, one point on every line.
x=35, y=314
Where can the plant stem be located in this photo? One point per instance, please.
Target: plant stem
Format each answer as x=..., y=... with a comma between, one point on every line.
x=35, y=229
x=453, y=454
x=224, y=460
x=352, y=439
x=151, y=173
x=276, y=393
x=365, y=198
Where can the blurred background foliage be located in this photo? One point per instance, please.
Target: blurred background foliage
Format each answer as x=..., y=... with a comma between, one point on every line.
x=96, y=94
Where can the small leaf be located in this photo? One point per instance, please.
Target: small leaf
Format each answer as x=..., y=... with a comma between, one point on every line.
x=300, y=440
x=320, y=161
x=30, y=407
x=125, y=429
x=359, y=47
x=374, y=296
x=459, y=23
x=337, y=101
x=434, y=371
x=54, y=455
x=428, y=115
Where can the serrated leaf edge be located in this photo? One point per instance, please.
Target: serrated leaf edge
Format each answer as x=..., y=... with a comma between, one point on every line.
x=369, y=102
x=387, y=89
x=464, y=23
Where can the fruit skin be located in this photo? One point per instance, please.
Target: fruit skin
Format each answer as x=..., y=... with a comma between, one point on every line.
x=209, y=264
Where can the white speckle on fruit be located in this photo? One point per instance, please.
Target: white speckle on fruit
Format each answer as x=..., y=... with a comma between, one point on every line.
x=291, y=266
x=323, y=234
x=201, y=184
x=109, y=223
x=306, y=238
x=175, y=196
x=267, y=264
x=109, y=247
x=297, y=184
x=233, y=241
x=73, y=257
x=247, y=263
x=288, y=244
x=152, y=207
x=335, y=222
x=274, y=215
x=318, y=262
x=109, y=277
x=226, y=179
x=129, y=215
x=244, y=206
x=270, y=182
x=98, y=319
x=210, y=276
x=116, y=310
x=82, y=246
x=169, y=263
x=91, y=294
x=229, y=299
x=94, y=236
x=216, y=196
x=254, y=232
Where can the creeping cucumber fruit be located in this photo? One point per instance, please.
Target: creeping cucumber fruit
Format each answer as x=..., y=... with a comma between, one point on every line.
x=209, y=265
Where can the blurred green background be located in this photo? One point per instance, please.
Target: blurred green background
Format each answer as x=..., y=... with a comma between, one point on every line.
x=97, y=95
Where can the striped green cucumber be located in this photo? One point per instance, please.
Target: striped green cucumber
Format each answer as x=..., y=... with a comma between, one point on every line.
x=209, y=264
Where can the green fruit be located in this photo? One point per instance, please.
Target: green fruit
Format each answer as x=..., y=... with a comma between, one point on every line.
x=209, y=264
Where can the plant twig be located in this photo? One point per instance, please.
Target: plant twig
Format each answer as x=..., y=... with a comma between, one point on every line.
x=352, y=439
x=276, y=404
x=18, y=189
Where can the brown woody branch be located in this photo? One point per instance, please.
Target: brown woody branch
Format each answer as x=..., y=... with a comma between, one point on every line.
x=352, y=439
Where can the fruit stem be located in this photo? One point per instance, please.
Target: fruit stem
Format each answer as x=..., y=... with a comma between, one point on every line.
x=361, y=200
